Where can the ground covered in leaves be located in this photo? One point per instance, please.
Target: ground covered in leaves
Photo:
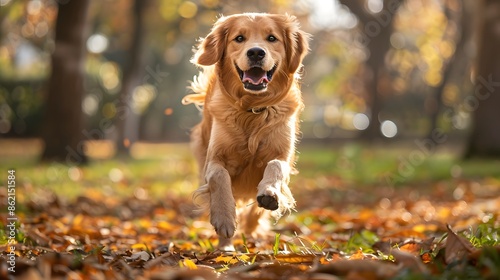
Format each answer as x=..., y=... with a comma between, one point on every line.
x=440, y=229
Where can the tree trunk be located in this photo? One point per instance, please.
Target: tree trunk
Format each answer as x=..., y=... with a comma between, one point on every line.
x=127, y=120
x=62, y=128
x=484, y=103
x=456, y=61
x=376, y=30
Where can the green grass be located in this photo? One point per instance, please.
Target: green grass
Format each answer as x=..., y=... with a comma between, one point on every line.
x=158, y=170
x=377, y=165
x=163, y=168
x=484, y=235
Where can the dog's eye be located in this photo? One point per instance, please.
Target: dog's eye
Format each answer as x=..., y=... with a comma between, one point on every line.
x=271, y=38
x=239, y=38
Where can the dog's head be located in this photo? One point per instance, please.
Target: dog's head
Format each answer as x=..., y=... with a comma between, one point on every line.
x=260, y=51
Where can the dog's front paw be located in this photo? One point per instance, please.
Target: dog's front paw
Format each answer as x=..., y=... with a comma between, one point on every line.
x=269, y=202
x=224, y=225
x=226, y=245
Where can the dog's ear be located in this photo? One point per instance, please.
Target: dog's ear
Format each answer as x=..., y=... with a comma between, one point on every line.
x=300, y=47
x=296, y=43
x=211, y=49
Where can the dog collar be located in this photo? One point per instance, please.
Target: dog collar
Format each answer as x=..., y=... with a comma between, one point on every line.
x=257, y=110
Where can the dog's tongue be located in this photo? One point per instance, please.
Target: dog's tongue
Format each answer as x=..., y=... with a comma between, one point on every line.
x=255, y=76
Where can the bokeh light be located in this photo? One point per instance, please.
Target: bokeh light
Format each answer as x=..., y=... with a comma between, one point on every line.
x=375, y=6
x=97, y=43
x=188, y=9
x=4, y=2
x=360, y=121
x=389, y=129
x=109, y=74
x=142, y=96
x=116, y=175
x=90, y=104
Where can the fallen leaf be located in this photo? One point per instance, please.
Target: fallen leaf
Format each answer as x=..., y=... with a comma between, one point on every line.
x=410, y=261
x=30, y=274
x=426, y=257
x=457, y=247
x=169, y=274
x=142, y=255
x=323, y=276
x=411, y=247
x=189, y=264
x=232, y=259
x=295, y=258
x=370, y=269
x=139, y=246
x=358, y=255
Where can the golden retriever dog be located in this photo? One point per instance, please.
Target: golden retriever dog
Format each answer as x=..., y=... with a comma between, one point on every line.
x=250, y=94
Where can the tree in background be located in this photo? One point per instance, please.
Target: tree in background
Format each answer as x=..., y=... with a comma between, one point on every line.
x=459, y=61
x=484, y=102
x=62, y=121
x=376, y=30
x=128, y=120
x=420, y=83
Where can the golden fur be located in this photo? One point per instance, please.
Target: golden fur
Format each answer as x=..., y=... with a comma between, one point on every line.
x=250, y=95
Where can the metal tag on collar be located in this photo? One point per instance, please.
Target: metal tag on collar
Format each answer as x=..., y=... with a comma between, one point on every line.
x=257, y=111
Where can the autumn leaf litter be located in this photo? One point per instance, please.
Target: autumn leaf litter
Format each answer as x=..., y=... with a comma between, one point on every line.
x=102, y=237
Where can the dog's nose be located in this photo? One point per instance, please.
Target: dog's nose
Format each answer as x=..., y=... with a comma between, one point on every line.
x=256, y=54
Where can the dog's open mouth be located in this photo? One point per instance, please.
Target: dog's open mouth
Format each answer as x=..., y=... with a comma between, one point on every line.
x=256, y=78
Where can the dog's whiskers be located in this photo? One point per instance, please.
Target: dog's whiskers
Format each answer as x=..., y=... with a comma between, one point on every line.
x=250, y=204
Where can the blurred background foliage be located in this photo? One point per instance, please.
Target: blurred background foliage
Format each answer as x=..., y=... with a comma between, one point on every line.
x=422, y=79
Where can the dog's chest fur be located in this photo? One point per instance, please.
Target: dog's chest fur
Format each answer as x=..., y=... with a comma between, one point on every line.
x=246, y=142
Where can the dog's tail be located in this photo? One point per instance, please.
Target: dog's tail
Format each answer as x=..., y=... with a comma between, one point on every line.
x=201, y=199
x=199, y=86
